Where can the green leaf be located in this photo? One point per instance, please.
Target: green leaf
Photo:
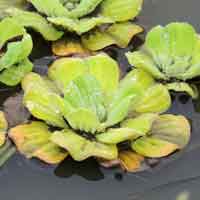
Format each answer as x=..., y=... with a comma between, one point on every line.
x=155, y=100
x=81, y=148
x=131, y=88
x=168, y=134
x=170, y=52
x=16, y=52
x=118, y=111
x=141, y=124
x=153, y=147
x=5, y=4
x=3, y=128
x=79, y=26
x=106, y=71
x=144, y=62
x=42, y=102
x=85, y=92
x=83, y=8
x=101, y=66
x=172, y=128
x=36, y=22
x=64, y=70
x=113, y=35
x=13, y=75
x=84, y=120
x=50, y=8
x=184, y=87
x=121, y=10
x=118, y=135
x=33, y=140
x=9, y=29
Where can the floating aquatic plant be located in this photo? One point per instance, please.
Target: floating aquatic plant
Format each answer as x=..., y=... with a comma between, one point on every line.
x=14, y=62
x=96, y=111
x=106, y=24
x=170, y=53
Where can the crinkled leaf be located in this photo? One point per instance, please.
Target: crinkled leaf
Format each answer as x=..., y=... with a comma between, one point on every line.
x=118, y=135
x=81, y=8
x=106, y=71
x=113, y=35
x=153, y=147
x=156, y=100
x=104, y=68
x=118, y=111
x=84, y=120
x=16, y=52
x=33, y=140
x=81, y=148
x=131, y=88
x=64, y=70
x=37, y=22
x=3, y=128
x=13, y=75
x=50, y=8
x=9, y=29
x=85, y=92
x=172, y=128
x=121, y=10
x=5, y=4
x=169, y=52
x=168, y=134
x=141, y=124
x=143, y=61
x=79, y=26
x=42, y=102
x=184, y=87
x=68, y=47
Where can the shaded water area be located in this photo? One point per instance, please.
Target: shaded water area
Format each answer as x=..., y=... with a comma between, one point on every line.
x=174, y=178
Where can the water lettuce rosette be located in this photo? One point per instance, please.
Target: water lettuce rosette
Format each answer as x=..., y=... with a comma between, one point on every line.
x=14, y=62
x=100, y=23
x=94, y=111
x=171, y=54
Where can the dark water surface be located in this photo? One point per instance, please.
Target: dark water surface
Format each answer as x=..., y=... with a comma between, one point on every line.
x=175, y=178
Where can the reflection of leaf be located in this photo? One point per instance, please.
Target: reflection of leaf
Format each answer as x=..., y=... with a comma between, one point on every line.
x=13, y=75
x=15, y=111
x=121, y=10
x=79, y=26
x=36, y=22
x=80, y=148
x=98, y=39
x=33, y=140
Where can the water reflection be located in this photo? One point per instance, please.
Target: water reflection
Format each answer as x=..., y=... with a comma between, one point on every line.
x=89, y=169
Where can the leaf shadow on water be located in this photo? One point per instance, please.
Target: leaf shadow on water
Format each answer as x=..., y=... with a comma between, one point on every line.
x=89, y=169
